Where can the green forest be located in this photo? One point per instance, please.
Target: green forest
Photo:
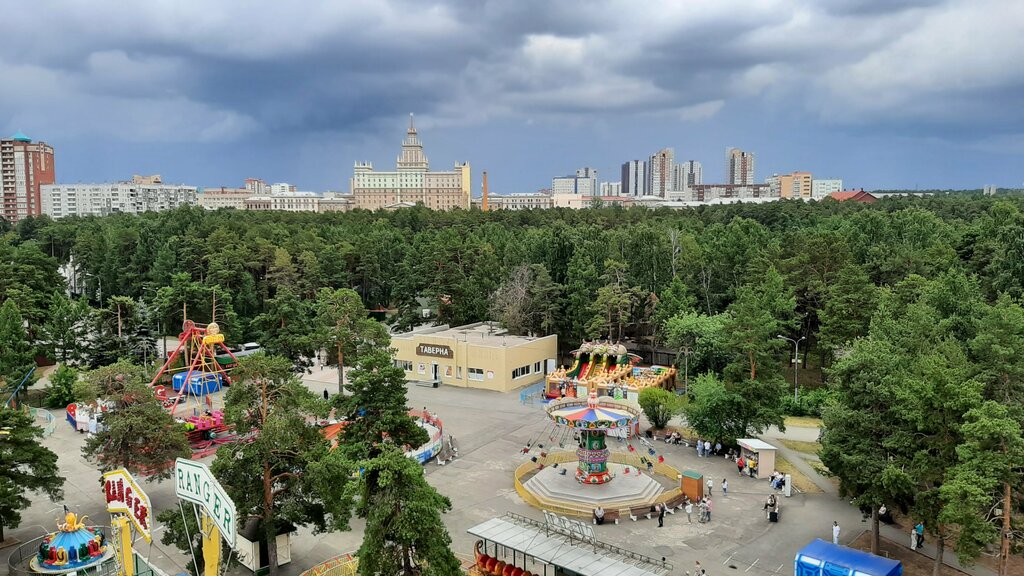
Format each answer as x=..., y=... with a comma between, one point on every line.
x=908, y=311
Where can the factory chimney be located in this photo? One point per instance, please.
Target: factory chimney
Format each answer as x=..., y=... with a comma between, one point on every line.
x=483, y=202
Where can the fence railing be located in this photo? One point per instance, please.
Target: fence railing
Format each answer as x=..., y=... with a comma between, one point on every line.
x=341, y=565
x=49, y=422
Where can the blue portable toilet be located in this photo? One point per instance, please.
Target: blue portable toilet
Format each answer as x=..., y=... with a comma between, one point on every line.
x=820, y=558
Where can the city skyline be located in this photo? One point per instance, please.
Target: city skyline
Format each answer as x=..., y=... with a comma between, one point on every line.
x=527, y=91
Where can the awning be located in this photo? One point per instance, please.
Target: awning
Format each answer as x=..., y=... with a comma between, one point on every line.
x=754, y=444
x=555, y=549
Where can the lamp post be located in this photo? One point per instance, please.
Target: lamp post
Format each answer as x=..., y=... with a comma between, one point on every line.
x=686, y=351
x=796, y=364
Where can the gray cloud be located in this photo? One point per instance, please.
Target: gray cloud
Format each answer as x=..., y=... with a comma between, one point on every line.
x=180, y=70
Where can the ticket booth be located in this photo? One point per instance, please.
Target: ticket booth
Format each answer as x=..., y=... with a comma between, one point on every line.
x=692, y=485
x=759, y=456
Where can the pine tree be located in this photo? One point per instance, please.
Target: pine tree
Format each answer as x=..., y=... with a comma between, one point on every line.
x=28, y=466
x=138, y=435
x=269, y=477
x=404, y=532
x=16, y=358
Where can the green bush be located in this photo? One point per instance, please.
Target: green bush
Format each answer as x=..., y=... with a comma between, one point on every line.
x=660, y=405
x=811, y=403
x=61, y=390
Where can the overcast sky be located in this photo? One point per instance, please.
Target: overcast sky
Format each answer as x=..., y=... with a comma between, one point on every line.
x=882, y=93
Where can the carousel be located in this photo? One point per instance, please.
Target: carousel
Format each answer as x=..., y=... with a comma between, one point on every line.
x=72, y=547
x=593, y=420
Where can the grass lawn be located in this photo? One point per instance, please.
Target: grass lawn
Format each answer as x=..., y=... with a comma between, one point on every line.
x=802, y=422
x=801, y=446
x=800, y=481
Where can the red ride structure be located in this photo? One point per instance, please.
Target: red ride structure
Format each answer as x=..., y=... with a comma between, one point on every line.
x=200, y=373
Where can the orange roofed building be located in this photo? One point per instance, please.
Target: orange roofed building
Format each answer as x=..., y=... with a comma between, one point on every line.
x=855, y=195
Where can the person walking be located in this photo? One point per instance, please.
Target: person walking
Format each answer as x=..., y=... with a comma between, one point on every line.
x=725, y=487
x=718, y=448
x=835, y=532
x=707, y=448
x=326, y=394
x=711, y=485
x=919, y=532
x=689, y=511
x=709, y=509
x=661, y=515
x=739, y=466
x=700, y=448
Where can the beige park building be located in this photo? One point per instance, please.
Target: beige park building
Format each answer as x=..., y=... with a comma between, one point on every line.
x=412, y=182
x=478, y=355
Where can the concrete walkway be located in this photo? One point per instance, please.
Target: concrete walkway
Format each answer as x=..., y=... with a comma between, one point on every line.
x=894, y=533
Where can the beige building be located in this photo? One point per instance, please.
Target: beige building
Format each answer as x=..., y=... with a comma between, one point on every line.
x=795, y=185
x=412, y=182
x=290, y=202
x=478, y=355
x=223, y=197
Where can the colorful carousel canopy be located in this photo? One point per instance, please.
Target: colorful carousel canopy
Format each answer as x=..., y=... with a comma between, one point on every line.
x=605, y=415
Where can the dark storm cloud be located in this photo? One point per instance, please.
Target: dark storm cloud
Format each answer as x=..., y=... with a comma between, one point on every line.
x=233, y=70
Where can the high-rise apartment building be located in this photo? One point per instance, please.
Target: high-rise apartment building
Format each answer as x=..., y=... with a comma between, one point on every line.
x=25, y=167
x=412, y=182
x=687, y=175
x=142, y=194
x=634, y=178
x=611, y=188
x=256, y=186
x=283, y=188
x=795, y=185
x=583, y=183
x=660, y=172
x=822, y=188
x=739, y=166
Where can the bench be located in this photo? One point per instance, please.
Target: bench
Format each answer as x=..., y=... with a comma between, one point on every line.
x=609, y=516
x=637, y=512
x=676, y=503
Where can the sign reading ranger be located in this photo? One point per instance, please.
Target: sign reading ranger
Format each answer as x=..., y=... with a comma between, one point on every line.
x=194, y=482
x=435, y=350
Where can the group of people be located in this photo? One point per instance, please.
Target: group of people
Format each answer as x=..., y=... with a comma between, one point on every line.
x=777, y=480
x=704, y=448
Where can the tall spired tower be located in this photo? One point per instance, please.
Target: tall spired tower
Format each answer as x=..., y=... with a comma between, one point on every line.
x=412, y=158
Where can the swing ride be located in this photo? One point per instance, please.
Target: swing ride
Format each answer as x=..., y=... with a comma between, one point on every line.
x=579, y=434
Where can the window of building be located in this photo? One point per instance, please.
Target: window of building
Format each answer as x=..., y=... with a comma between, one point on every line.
x=404, y=365
x=521, y=371
x=536, y=367
x=476, y=374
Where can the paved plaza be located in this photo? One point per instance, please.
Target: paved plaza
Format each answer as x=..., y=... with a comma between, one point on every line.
x=490, y=430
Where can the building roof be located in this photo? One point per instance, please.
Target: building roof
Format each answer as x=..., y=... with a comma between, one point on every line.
x=755, y=444
x=553, y=548
x=855, y=195
x=20, y=137
x=488, y=334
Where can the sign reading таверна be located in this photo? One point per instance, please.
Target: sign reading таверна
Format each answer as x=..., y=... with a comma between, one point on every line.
x=126, y=497
x=194, y=482
x=434, y=350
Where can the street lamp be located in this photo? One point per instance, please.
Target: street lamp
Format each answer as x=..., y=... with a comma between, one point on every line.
x=796, y=364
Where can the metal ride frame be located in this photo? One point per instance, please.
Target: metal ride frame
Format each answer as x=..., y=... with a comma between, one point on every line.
x=199, y=345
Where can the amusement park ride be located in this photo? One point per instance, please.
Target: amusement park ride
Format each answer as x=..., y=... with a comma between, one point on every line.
x=592, y=425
